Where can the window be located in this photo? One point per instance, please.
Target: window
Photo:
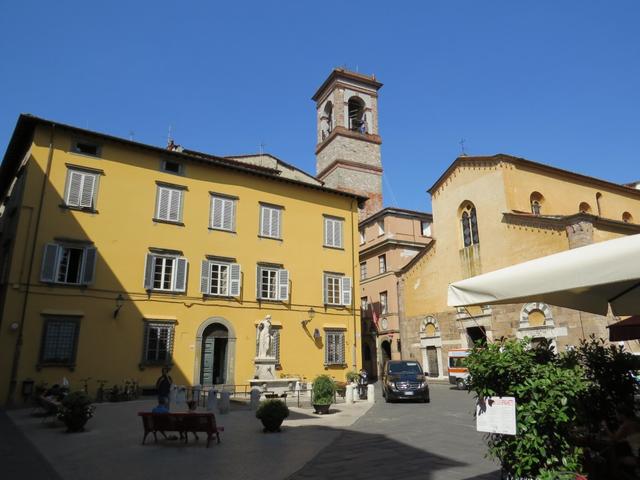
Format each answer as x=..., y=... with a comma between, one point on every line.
x=68, y=264
x=220, y=278
x=337, y=289
x=426, y=228
x=382, y=263
x=273, y=283
x=363, y=270
x=223, y=213
x=59, y=341
x=384, y=305
x=364, y=305
x=170, y=166
x=536, y=199
x=270, y=221
x=81, y=188
x=165, y=273
x=86, y=148
x=169, y=204
x=361, y=237
x=158, y=342
x=380, y=224
x=333, y=232
x=334, y=348
x=357, y=120
x=469, y=221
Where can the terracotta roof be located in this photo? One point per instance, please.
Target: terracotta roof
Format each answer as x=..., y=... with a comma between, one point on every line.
x=349, y=75
x=397, y=211
x=523, y=162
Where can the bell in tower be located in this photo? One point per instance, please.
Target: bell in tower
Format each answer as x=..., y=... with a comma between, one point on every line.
x=348, y=148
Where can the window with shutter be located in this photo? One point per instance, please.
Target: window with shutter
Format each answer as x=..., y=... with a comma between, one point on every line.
x=283, y=285
x=268, y=283
x=270, y=221
x=333, y=232
x=59, y=341
x=221, y=279
x=334, y=348
x=80, y=191
x=345, y=285
x=158, y=343
x=169, y=204
x=222, y=213
x=166, y=273
x=71, y=265
x=332, y=289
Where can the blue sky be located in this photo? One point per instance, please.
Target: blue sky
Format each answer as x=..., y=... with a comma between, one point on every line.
x=555, y=82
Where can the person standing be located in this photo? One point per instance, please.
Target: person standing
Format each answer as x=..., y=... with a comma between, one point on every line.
x=163, y=386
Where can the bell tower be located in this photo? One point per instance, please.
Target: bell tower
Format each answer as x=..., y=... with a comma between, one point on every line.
x=348, y=148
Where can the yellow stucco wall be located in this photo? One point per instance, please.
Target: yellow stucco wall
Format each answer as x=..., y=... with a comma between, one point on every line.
x=123, y=231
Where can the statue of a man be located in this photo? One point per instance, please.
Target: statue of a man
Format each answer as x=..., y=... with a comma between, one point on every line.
x=265, y=338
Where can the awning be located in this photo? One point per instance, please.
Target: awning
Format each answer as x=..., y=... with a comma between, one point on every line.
x=627, y=329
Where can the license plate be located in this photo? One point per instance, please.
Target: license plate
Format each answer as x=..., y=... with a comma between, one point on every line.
x=409, y=393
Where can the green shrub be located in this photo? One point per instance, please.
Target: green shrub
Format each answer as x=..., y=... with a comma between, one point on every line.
x=272, y=409
x=76, y=409
x=323, y=390
x=352, y=376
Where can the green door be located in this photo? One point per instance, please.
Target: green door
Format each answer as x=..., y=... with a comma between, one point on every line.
x=206, y=375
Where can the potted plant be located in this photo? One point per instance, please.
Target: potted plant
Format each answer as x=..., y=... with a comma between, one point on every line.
x=76, y=409
x=324, y=390
x=272, y=413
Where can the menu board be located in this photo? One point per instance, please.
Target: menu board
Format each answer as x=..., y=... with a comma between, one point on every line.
x=496, y=415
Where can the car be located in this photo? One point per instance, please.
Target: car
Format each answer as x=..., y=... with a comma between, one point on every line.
x=404, y=380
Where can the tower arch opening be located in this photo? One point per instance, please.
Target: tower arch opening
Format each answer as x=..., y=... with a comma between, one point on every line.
x=357, y=120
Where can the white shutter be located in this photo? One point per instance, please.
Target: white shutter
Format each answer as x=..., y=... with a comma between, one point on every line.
x=328, y=232
x=74, y=189
x=337, y=233
x=283, y=285
x=345, y=287
x=49, y=263
x=180, y=274
x=88, y=188
x=162, y=209
x=148, y=271
x=227, y=214
x=216, y=212
x=235, y=279
x=174, y=205
x=88, y=271
x=264, y=221
x=275, y=222
x=205, y=277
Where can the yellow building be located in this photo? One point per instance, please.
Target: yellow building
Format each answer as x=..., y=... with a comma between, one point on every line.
x=119, y=257
x=492, y=212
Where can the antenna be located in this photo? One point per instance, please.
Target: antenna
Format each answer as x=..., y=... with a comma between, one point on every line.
x=169, y=134
x=463, y=152
x=262, y=145
x=131, y=134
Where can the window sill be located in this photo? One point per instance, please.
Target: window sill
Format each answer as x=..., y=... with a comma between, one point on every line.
x=70, y=366
x=169, y=222
x=165, y=292
x=335, y=365
x=268, y=300
x=333, y=248
x=222, y=230
x=143, y=365
x=78, y=209
x=279, y=239
x=213, y=296
x=67, y=285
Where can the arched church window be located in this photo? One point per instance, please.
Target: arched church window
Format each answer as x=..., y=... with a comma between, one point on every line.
x=627, y=217
x=469, y=222
x=357, y=121
x=536, y=203
x=584, y=207
x=328, y=112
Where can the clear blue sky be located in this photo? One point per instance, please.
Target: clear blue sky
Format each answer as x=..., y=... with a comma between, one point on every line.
x=555, y=82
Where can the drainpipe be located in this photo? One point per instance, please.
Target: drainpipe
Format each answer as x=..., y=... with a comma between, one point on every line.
x=16, y=354
x=353, y=295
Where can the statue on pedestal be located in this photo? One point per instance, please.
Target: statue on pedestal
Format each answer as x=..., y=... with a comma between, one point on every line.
x=265, y=338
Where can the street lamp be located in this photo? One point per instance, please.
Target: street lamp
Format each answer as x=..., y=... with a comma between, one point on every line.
x=311, y=313
x=119, y=303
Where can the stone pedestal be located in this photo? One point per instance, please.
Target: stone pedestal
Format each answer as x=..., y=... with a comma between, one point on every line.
x=265, y=368
x=212, y=400
x=371, y=394
x=348, y=396
x=254, y=398
x=224, y=403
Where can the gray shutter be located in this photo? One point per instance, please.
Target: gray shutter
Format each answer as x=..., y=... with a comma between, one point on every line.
x=235, y=279
x=88, y=272
x=340, y=348
x=324, y=289
x=328, y=232
x=283, y=285
x=264, y=221
x=345, y=285
x=327, y=339
x=148, y=271
x=74, y=189
x=181, y=274
x=205, y=277
x=275, y=349
x=337, y=233
x=233, y=215
x=227, y=211
x=162, y=209
x=88, y=187
x=275, y=222
x=49, y=263
x=216, y=212
x=175, y=205
x=258, y=279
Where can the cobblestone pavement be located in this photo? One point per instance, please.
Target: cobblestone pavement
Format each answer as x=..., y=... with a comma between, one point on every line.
x=435, y=441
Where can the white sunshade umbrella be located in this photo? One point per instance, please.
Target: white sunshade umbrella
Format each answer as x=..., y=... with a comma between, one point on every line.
x=588, y=278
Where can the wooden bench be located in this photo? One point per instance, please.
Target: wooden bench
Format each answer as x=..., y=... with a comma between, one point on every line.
x=183, y=423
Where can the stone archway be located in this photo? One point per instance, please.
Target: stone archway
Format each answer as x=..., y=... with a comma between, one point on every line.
x=216, y=327
x=431, y=346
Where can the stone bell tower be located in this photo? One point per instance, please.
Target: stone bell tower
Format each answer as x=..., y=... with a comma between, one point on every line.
x=348, y=148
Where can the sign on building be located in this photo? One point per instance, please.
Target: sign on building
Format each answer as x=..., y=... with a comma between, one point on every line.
x=496, y=415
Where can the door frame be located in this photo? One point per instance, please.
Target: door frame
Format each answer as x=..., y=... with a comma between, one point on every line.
x=231, y=350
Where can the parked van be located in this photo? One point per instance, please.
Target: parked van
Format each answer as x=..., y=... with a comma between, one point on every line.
x=458, y=372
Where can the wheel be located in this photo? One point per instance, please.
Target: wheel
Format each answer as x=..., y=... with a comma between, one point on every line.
x=426, y=399
x=460, y=383
x=386, y=399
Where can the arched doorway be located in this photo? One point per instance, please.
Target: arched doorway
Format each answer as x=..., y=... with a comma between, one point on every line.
x=215, y=340
x=214, y=353
x=386, y=351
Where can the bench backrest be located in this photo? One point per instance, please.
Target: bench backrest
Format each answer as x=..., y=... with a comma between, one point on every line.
x=199, y=422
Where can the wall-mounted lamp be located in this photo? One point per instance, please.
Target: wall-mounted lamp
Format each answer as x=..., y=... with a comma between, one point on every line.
x=14, y=326
x=311, y=313
x=316, y=334
x=119, y=303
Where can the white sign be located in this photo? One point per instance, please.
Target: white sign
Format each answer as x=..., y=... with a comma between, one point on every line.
x=496, y=415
